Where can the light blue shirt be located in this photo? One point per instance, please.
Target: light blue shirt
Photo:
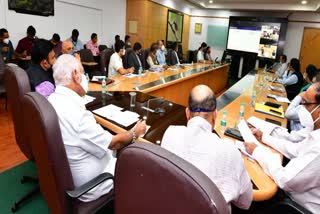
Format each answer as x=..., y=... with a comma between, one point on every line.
x=288, y=79
x=161, y=57
x=77, y=46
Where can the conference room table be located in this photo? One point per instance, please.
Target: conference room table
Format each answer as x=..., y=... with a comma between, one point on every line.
x=264, y=186
x=172, y=84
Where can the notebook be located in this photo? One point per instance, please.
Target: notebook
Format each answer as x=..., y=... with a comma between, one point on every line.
x=277, y=112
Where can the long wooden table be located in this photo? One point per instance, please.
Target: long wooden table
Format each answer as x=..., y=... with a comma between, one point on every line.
x=176, y=90
x=266, y=187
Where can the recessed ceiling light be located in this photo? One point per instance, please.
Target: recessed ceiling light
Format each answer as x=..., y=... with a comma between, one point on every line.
x=210, y=1
x=202, y=4
x=304, y=2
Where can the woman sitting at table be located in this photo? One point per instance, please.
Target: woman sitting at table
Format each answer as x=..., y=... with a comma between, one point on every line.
x=292, y=79
x=152, y=58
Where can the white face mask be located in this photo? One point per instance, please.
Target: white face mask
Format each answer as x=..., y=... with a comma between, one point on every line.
x=84, y=83
x=6, y=41
x=124, y=52
x=305, y=117
x=129, y=43
x=162, y=47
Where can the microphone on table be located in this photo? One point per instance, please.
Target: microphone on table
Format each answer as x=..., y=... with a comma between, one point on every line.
x=158, y=110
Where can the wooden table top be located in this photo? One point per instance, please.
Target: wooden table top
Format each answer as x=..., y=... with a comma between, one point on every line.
x=266, y=186
x=123, y=83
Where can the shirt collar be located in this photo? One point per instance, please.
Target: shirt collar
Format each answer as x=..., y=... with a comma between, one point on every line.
x=62, y=90
x=200, y=122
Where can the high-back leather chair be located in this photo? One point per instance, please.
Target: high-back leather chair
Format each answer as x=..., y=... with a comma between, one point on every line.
x=86, y=55
x=55, y=178
x=126, y=57
x=17, y=84
x=102, y=47
x=109, y=53
x=150, y=179
x=195, y=56
x=144, y=56
x=2, y=81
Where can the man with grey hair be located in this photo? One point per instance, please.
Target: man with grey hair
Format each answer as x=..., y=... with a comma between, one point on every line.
x=87, y=145
x=196, y=143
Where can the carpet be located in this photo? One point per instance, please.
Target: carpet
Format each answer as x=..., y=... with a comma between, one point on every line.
x=12, y=189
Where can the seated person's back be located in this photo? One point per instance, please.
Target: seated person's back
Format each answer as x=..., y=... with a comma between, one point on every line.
x=40, y=70
x=219, y=160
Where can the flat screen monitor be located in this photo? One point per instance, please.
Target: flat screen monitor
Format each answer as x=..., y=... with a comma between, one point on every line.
x=263, y=36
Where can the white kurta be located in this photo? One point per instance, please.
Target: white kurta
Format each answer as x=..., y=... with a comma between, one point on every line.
x=301, y=176
x=85, y=141
x=219, y=160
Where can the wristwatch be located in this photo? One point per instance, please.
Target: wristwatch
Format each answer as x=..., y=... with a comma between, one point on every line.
x=133, y=133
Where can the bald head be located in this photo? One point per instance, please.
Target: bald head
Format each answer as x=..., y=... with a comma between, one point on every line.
x=202, y=99
x=67, y=46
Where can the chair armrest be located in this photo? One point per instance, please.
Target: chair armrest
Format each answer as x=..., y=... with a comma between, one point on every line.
x=79, y=191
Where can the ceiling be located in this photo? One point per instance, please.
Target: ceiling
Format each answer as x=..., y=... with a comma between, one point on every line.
x=274, y=5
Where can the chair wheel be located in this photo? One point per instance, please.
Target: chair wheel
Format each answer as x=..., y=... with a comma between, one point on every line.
x=14, y=208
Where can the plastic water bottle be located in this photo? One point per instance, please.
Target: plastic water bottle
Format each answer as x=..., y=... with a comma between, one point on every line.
x=253, y=98
x=87, y=77
x=241, y=112
x=104, y=86
x=140, y=70
x=265, y=69
x=223, y=122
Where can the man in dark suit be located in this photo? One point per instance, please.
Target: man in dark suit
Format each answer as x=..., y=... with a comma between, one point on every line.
x=134, y=59
x=173, y=58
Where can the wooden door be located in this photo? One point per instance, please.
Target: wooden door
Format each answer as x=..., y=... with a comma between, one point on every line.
x=310, y=48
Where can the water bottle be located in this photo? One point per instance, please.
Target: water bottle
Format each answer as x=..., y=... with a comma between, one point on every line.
x=223, y=122
x=104, y=86
x=87, y=77
x=140, y=70
x=241, y=113
x=253, y=98
x=265, y=69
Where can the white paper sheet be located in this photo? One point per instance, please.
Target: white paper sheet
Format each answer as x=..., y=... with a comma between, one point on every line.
x=282, y=99
x=131, y=75
x=97, y=78
x=242, y=148
x=247, y=134
x=114, y=113
x=88, y=99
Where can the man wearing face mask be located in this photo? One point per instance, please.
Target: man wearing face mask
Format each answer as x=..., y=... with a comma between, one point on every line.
x=24, y=46
x=116, y=65
x=88, y=146
x=300, y=177
x=134, y=59
x=6, y=48
x=161, y=57
x=40, y=70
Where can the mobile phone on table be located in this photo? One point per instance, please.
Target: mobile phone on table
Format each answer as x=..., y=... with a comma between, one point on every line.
x=235, y=133
x=273, y=121
x=271, y=104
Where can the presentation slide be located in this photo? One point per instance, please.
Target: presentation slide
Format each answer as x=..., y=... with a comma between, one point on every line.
x=244, y=39
x=255, y=37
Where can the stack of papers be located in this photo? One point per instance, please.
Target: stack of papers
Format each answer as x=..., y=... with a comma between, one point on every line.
x=115, y=113
x=273, y=88
x=88, y=99
x=279, y=98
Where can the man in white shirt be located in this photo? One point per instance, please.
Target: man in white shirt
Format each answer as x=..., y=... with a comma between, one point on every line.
x=219, y=160
x=116, y=65
x=88, y=146
x=300, y=177
x=283, y=66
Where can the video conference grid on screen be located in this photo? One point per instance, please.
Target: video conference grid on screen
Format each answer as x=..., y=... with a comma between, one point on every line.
x=256, y=37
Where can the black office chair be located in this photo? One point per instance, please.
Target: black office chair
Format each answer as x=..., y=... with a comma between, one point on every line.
x=143, y=57
x=126, y=56
x=102, y=48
